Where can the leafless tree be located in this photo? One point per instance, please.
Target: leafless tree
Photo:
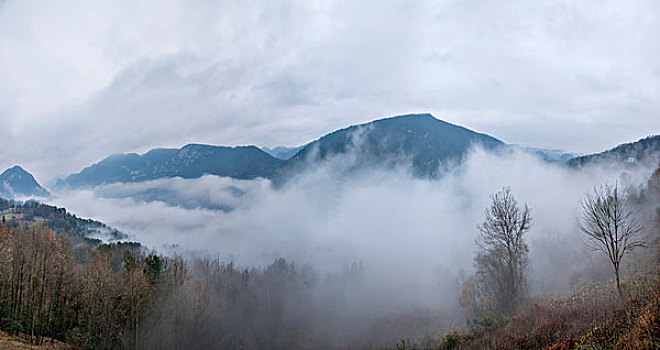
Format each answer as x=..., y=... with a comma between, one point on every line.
x=501, y=262
x=610, y=221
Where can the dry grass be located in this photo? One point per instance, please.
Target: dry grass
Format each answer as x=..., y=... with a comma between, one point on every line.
x=17, y=343
x=633, y=325
x=546, y=322
x=592, y=318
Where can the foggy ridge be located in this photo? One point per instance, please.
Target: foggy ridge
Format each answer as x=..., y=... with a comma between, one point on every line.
x=421, y=138
x=190, y=161
x=16, y=182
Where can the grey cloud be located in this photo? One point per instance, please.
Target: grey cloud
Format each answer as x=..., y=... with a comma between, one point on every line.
x=273, y=73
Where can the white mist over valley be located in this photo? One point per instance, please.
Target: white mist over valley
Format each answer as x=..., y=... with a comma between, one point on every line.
x=409, y=175
x=416, y=232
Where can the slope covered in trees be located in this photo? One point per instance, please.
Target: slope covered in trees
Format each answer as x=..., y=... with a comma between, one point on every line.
x=646, y=150
x=23, y=214
x=117, y=296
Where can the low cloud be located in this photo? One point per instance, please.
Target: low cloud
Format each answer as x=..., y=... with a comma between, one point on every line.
x=206, y=192
x=405, y=231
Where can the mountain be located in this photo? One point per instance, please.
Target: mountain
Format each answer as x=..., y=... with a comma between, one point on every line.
x=190, y=161
x=16, y=182
x=282, y=152
x=428, y=143
x=548, y=155
x=646, y=151
x=421, y=139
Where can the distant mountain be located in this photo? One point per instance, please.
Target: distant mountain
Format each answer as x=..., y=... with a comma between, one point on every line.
x=548, y=155
x=282, y=152
x=15, y=182
x=190, y=161
x=421, y=139
x=645, y=151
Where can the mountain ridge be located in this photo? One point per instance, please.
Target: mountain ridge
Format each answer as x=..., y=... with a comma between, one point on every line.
x=17, y=182
x=425, y=142
x=643, y=150
x=190, y=161
x=428, y=142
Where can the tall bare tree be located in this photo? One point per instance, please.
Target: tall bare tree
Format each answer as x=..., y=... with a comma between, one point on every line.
x=610, y=221
x=501, y=262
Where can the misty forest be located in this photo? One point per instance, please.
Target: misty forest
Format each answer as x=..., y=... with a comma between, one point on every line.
x=362, y=239
x=329, y=174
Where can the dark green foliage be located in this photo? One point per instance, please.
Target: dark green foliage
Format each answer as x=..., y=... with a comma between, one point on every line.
x=154, y=268
x=450, y=340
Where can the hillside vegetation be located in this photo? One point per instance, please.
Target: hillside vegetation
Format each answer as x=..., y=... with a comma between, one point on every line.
x=78, y=230
x=116, y=296
x=593, y=316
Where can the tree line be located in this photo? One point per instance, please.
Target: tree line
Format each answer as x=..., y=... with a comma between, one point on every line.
x=117, y=296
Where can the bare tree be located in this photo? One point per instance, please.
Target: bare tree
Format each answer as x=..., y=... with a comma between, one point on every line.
x=501, y=262
x=610, y=222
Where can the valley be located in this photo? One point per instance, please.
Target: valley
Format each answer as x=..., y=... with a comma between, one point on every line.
x=329, y=175
x=312, y=228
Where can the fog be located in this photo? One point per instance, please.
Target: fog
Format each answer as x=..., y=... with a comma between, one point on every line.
x=413, y=237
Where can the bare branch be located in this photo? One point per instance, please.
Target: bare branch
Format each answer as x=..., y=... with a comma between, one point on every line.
x=502, y=260
x=610, y=222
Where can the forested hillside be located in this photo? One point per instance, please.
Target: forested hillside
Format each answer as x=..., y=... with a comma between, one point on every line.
x=644, y=151
x=23, y=214
x=119, y=297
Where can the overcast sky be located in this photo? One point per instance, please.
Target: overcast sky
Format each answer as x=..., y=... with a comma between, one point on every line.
x=80, y=80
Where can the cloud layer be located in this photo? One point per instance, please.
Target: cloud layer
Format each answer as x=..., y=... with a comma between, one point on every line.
x=406, y=231
x=82, y=80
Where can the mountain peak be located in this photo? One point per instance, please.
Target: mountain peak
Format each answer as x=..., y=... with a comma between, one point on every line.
x=17, y=182
x=408, y=118
x=15, y=169
x=425, y=141
x=412, y=116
